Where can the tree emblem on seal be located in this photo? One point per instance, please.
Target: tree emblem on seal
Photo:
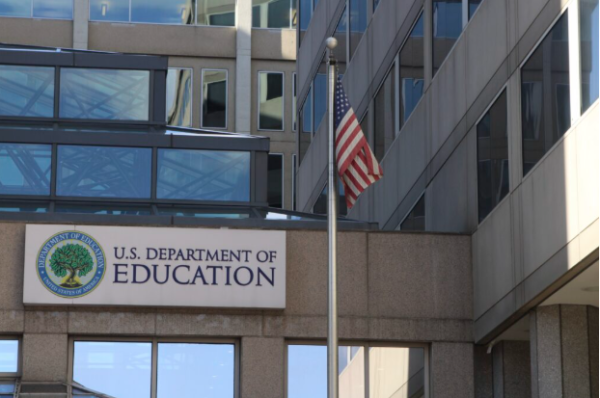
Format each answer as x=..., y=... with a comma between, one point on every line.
x=74, y=260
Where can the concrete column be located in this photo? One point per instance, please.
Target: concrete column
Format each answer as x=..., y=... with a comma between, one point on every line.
x=45, y=357
x=564, y=351
x=81, y=14
x=512, y=373
x=484, y=378
x=452, y=370
x=243, y=67
x=264, y=380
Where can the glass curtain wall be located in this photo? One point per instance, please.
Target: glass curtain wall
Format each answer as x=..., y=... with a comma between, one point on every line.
x=412, y=71
x=25, y=169
x=50, y=9
x=492, y=157
x=26, y=91
x=447, y=26
x=545, y=94
x=179, y=97
x=270, y=100
x=589, y=44
x=214, y=98
x=384, y=107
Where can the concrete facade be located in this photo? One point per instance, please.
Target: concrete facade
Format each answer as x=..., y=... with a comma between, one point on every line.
x=394, y=289
x=241, y=50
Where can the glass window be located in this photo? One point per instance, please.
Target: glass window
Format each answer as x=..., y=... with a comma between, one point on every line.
x=56, y=9
x=396, y=372
x=25, y=169
x=341, y=35
x=305, y=16
x=320, y=206
x=203, y=175
x=358, y=23
x=177, y=12
x=320, y=95
x=214, y=98
x=447, y=26
x=115, y=172
x=179, y=97
x=473, y=5
x=119, y=369
x=9, y=356
x=415, y=220
x=271, y=14
x=26, y=91
x=411, y=71
x=275, y=180
x=113, y=10
x=589, y=37
x=109, y=94
x=492, y=157
x=187, y=370
x=15, y=8
x=216, y=12
x=270, y=99
x=307, y=372
x=545, y=102
x=384, y=106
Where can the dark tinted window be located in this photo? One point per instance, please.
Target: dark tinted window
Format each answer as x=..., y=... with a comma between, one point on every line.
x=473, y=5
x=214, y=98
x=545, y=103
x=411, y=71
x=447, y=26
x=385, y=100
x=275, y=180
x=492, y=157
x=270, y=92
x=415, y=220
x=589, y=37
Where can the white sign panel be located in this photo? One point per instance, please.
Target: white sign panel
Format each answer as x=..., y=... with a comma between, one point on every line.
x=189, y=267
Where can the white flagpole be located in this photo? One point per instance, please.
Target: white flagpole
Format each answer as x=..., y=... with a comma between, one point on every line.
x=332, y=341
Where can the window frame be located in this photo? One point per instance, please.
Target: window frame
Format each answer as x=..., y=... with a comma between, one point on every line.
x=191, y=69
x=202, y=98
x=258, y=91
x=155, y=341
x=19, y=372
x=366, y=344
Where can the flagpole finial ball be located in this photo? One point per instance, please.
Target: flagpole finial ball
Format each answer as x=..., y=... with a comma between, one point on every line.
x=331, y=43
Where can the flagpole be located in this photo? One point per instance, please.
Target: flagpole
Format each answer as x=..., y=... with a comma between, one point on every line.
x=332, y=341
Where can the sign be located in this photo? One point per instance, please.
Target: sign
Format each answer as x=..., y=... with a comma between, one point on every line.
x=134, y=266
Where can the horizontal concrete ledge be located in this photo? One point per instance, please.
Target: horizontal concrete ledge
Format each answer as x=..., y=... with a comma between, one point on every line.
x=106, y=324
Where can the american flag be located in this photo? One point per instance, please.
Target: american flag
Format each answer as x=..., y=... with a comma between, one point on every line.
x=356, y=163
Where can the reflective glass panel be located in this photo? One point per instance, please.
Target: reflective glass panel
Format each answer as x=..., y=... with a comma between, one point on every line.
x=307, y=372
x=9, y=356
x=118, y=369
x=275, y=181
x=195, y=370
x=216, y=12
x=271, y=14
x=214, y=98
x=59, y=9
x=203, y=175
x=26, y=91
x=107, y=210
x=320, y=95
x=473, y=5
x=396, y=372
x=411, y=71
x=415, y=220
x=384, y=106
x=270, y=95
x=109, y=10
x=589, y=41
x=545, y=91
x=111, y=172
x=25, y=169
x=7, y=388
x=492, y=157
x=175, y=12
x=15, y=8
x=358, y=23
x=305, y=15
x=109, y=94
x=179, y=97
x=447, y=26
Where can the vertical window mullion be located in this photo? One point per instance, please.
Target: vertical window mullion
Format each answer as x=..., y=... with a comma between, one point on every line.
x=574, y=61
x=154, y=364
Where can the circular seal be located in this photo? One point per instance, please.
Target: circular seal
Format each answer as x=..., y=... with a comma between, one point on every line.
x=71, y=264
